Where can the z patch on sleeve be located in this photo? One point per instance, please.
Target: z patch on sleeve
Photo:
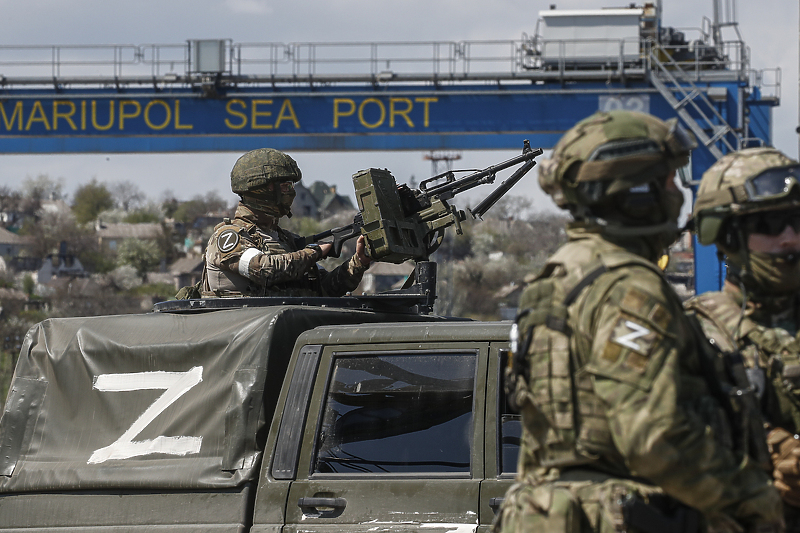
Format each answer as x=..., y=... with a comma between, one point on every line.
x=629, y=335
x=227, y=240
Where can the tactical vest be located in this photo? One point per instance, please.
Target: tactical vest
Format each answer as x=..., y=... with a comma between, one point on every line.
x=771, y=356
x=565, y=421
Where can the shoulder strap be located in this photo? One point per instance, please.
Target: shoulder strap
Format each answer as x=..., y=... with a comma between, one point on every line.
x=585, y=282
x=557, y=318
x=608, y=262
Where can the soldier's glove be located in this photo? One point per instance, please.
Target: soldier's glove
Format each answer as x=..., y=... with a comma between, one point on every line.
x=784, y=451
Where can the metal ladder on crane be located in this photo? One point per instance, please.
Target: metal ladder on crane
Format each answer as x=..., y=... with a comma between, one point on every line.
x=664, y=76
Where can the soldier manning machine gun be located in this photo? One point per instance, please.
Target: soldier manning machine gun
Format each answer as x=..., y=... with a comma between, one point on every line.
x=401, y=223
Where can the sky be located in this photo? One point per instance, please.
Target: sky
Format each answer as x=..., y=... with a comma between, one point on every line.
x=770, y=29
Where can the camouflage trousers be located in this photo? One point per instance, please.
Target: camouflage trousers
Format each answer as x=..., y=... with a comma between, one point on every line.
x=593, y=506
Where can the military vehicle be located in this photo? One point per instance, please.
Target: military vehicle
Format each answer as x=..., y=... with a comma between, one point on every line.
x=259, y=415
x=361, y=413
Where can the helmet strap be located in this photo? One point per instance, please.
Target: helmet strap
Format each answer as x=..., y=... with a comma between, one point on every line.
x=738, y=270
x=743, y=309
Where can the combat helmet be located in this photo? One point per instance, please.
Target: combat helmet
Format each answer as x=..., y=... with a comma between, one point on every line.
x=611, y=169
x=742, y=183
x=252, y=174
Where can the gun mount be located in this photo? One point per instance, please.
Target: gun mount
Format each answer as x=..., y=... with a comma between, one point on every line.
x=401, y=223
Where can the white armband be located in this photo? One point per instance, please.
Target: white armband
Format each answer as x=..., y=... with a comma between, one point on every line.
x=244, y=261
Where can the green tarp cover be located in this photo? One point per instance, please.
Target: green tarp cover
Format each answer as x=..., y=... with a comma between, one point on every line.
x=155, y=401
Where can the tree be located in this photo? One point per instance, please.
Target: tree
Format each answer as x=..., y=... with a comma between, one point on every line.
x=51, y=228
x=494, y=255
x=28, y=285
x=127, y=195
x=143, y=255
x=187, y=212
x=169, y=204
x=15, y=321
x=9, y=198
x=11, y=201
x=141, y=216
x=91, y=200
x=34, y=191
x=43, y=187
x=305, y=225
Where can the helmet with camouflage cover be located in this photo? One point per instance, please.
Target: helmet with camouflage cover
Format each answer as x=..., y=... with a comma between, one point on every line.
x=741, y=183
x=612, y=167
x=258, y=167
x=745, y=193
x=254, y=174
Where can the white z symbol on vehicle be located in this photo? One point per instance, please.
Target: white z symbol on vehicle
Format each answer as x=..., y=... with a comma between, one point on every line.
x=627, y=340
x=175, y=385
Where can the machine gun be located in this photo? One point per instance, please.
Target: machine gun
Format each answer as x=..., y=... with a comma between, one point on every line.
x=401, y=223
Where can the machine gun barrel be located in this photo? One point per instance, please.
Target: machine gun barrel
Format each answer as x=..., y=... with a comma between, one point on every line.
x=504, y=187
x=453, y=186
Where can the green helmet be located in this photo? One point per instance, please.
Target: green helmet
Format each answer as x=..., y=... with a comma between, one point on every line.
x=258, y=167
x=610, y=153
x=740, y=183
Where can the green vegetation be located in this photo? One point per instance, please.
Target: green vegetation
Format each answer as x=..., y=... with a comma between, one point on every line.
x=188, y=212
x=161, y=291
x=140, y=254
x=15, y=322
x=141, y=217
x=91, y=200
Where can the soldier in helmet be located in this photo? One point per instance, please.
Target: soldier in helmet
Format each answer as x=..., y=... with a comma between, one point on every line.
x=252, y=256
x=748, y=204
x=625, y=426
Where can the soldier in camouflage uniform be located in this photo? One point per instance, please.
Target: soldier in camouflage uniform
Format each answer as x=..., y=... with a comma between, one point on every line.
x=625, y=425
x=748, y=204
x=252, y=256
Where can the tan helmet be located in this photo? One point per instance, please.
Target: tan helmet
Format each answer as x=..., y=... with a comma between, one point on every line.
x=740, y=183
x=612, y=152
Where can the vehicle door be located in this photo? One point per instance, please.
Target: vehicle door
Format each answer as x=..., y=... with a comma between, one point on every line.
x=394, y=440
x=502, y=438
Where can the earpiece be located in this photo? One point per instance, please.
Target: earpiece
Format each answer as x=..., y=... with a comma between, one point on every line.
x=730, y=240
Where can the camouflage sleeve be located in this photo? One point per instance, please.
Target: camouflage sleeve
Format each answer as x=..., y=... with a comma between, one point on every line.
x=343, y=279
x=646, y=368
x=238, y=254
x=270, y=268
